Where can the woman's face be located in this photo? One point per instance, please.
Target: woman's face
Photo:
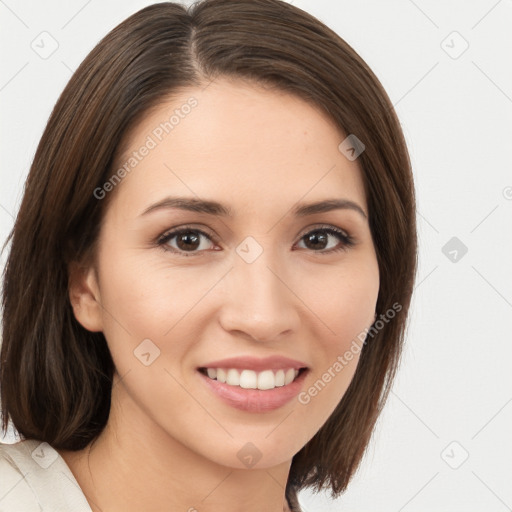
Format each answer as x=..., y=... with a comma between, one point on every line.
x=251, y=279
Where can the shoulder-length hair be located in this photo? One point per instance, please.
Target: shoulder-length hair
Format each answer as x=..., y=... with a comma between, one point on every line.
x=56, y=377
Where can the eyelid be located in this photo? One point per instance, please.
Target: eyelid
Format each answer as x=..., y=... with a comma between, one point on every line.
x=187, y=227
x=205, y=230
x=319, y=226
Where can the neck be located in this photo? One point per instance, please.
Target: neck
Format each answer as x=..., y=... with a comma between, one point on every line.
x=134, y=465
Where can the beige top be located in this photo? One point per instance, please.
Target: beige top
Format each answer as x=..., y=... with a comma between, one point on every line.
x=34, y=477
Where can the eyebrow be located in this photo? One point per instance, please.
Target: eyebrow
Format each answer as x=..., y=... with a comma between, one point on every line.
x=220, y=210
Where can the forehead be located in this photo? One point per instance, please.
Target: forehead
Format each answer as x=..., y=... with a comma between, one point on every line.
x=239, y=143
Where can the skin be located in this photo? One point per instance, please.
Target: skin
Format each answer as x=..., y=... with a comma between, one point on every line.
x=170, y=443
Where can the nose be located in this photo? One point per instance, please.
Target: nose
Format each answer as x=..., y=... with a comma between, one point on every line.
x=259, y=303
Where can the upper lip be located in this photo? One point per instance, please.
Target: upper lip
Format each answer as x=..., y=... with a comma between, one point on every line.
x=257, y=364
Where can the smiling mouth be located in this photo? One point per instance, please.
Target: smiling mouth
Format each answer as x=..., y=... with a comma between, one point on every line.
x=250, y=379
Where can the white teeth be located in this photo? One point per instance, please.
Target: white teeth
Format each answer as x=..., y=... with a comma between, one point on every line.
x=249, y=379
x=266, y=380
x=221, y=375
x=279, y=378
x=289, y=376
x=232, y=377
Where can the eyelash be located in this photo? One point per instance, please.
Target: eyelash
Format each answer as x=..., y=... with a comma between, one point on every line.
x=346, y=240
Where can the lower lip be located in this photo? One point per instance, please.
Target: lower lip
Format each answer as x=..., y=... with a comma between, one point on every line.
x=255, y=400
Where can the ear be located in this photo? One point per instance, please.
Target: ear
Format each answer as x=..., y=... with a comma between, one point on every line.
x=85, y=297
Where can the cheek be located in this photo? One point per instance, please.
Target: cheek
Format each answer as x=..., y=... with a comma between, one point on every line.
x=344, y=300
x=145, y=300
x=148, y=298
x=147, y=323
x=346, y=312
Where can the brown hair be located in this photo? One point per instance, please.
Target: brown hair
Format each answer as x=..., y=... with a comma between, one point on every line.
x=56, y=377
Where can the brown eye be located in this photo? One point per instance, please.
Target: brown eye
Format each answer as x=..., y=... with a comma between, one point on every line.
x=318, y=240
x=186, y=240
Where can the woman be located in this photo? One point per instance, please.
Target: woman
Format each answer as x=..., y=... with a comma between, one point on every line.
x=210, y=272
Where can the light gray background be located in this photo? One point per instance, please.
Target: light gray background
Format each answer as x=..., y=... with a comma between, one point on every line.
x=453, y=395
